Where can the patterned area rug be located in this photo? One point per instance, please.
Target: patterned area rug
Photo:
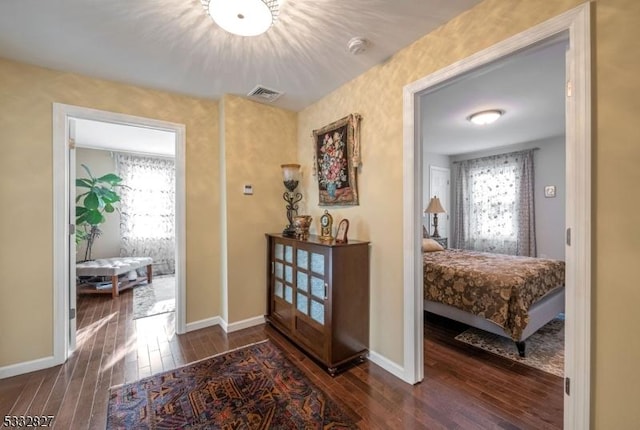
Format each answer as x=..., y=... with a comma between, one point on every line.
x=254, y=387
x=544, y=349
x=155, y=298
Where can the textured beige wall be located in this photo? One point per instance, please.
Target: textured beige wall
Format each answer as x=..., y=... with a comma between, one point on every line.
x=377, y=95
x=100, y=163
x=26, y=97
x=616, y=251
x=257, y=140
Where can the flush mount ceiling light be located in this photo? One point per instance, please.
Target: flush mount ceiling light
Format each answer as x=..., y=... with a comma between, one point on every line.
x=485, y=117
x=243, y=17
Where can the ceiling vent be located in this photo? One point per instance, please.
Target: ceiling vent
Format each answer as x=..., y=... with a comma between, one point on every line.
x=265, y=94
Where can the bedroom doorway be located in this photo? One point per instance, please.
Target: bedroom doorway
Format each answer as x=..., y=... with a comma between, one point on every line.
x=67, y=120
x=574, y=25
x=143, y=224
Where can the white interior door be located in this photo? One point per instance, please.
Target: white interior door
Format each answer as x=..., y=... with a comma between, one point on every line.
x=439, y=186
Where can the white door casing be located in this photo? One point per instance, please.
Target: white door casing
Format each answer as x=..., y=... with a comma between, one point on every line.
x=64, y=207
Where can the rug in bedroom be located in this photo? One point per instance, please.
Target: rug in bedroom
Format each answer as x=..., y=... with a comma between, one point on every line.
x=155, y=298
x=253, y=387
x=544, y=349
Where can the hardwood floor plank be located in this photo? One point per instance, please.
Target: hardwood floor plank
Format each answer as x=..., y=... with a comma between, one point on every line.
x=464, y=388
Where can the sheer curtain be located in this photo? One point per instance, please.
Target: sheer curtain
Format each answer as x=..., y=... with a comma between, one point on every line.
x=494, y=204
x=148, y=210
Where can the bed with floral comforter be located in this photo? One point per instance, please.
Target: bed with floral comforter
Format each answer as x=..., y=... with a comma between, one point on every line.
x=500, y=288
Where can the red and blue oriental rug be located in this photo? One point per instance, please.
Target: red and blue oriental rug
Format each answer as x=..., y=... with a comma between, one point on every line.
x=254, y=387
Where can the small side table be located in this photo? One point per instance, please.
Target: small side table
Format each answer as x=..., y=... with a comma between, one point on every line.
x=442, y=241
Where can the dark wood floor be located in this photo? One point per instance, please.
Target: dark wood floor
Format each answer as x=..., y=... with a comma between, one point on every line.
x=464, y=388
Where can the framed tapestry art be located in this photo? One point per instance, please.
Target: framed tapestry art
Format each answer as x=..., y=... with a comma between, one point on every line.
x=337, y=157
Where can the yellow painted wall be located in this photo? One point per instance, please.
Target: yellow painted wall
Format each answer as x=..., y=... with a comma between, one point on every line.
x=257, y=140
x=377, y=96
x=26, y=257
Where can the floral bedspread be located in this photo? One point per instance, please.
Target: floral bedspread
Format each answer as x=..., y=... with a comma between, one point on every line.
x=497, y=287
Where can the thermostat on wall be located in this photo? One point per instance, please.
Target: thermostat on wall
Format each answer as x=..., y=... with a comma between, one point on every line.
x=550, y=191
x=248, y=190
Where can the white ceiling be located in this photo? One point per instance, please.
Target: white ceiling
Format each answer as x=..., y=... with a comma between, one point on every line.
x=173, y=45
x=528, y=86
x=124, y=138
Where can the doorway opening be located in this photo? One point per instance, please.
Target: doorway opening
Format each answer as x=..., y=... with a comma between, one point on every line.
x=575, y=24
x=141, y=224
x=78, y=133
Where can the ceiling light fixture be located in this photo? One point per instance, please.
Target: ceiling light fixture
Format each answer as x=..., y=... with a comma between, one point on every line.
x=243, y=17
x=485, y=117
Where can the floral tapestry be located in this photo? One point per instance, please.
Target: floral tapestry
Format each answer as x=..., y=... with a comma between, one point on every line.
x=337, y=157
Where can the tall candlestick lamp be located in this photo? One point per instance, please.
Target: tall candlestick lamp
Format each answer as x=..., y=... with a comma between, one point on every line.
x=291, y=178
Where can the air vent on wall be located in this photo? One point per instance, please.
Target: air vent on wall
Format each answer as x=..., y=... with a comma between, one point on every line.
x=264, y=93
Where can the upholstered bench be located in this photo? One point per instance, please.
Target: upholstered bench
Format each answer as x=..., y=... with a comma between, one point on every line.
x=113, y=268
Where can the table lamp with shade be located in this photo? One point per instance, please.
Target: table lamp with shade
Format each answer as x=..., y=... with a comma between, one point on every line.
x=435, y=208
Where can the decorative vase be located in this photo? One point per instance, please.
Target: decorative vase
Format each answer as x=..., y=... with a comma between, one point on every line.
x=331, y=189
x=301, y=224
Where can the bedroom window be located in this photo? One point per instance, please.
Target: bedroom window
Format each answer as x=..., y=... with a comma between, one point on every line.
x=494, y=204
x=148, y=210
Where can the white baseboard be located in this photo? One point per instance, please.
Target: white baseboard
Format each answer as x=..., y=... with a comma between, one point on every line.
x=207, y=322
x=27, y=366
x=228, y=328
x=239, y=325
x=394, y=368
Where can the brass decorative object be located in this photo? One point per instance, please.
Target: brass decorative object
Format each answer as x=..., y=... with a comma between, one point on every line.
x=302, y=224
x=326, y=226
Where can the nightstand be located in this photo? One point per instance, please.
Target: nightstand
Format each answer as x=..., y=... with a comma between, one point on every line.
x=442, y=241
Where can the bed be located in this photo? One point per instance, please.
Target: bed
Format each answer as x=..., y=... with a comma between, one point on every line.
x=503, y=294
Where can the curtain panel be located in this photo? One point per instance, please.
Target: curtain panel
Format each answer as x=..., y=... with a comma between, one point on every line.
x=494, y=204
x=147, y=226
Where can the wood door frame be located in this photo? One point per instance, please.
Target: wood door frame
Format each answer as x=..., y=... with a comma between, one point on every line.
x=576, y=24
x=62, y=175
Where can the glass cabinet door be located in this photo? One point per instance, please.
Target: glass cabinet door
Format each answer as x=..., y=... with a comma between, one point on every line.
x=283, y=272
x=282, y=282
x=311, y=288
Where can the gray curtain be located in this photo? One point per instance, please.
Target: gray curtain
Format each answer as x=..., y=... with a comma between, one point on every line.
x=494, y=204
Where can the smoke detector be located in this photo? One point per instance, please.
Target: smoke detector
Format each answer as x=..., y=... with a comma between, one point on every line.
x=265, y=94
x=357, y=45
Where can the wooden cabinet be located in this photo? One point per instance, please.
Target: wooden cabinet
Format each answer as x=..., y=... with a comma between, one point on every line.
x=318, y=296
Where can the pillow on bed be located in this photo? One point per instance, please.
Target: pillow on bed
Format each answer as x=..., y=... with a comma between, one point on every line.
x=430, y=245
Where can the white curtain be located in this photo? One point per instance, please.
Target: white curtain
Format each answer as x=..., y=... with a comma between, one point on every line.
x=494, y=204
x=147, y=226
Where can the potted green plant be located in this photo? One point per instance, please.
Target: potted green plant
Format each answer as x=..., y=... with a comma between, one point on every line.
x=99, y=198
